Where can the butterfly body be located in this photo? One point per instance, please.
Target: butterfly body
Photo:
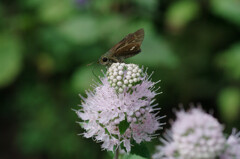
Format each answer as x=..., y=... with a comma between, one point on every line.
x=127, y=47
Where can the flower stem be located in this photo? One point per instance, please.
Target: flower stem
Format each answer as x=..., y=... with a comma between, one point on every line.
x=116, y=153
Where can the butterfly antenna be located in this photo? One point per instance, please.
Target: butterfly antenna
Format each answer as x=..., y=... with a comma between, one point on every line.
x=90, y=64
x=93, y=68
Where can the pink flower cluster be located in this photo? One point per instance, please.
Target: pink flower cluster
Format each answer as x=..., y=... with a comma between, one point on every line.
x=232, y=150
x=106, y=112
x=194, y=135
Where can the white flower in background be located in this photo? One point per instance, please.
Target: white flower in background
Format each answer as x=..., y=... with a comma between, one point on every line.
x=116, y=114
x=232, y=150
x=197, y=135
x=168, y=150
x=194, y=135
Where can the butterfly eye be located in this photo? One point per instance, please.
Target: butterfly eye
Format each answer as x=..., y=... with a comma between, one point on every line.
x=104, y=59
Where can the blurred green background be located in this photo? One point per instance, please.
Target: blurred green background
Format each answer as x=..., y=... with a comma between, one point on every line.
x=193, y=46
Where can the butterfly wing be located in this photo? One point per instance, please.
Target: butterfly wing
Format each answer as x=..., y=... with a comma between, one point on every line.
x=129, y=46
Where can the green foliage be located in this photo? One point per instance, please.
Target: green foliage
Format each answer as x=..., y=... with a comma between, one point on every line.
x=140, y=150
x=132, y=157
x=10, y=58
x=45, y=46
x=53, y=11
x=74, y=29
x=83, y=78
x=123, y=126
x=229, y=102
x=227, y=9
x=182, y=12
x=229, y=61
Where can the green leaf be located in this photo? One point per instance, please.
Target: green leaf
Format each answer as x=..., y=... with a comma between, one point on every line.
x=110, y=153
x=228, y=9
x=52, y=11
x=123, y=147
x=229, y=103
x=123, y=126
x=102, y=6
x=140, y=150
x=229, y=61
x=10, y=59
x=109, y=27
x=106, y=131
x=182, y=12
x=80, y=29
x=149, y=5
x=130, y=156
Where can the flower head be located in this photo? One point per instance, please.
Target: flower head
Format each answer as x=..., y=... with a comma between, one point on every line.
x=232, y=150
x=194, y=135
x=114, y=116
x=168, y=150
x=197, y=134
x=123, y=76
